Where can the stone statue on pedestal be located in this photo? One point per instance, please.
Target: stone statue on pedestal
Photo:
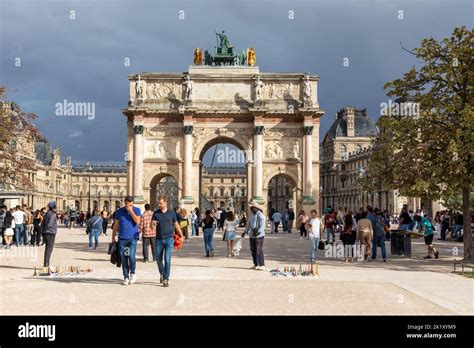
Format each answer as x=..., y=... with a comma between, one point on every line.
x=188, y=87
x=140, y=88
x=307, y=92
x=258, y=90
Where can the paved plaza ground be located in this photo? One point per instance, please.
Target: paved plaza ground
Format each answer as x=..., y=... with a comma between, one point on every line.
x=223, y=285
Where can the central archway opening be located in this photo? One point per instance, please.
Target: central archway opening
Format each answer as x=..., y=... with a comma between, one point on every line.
x=223, y=176
x=281, y=193
x=164, y=184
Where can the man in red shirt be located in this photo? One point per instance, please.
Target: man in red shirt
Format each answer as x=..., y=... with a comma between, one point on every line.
x=329, y=221
x=147, y=233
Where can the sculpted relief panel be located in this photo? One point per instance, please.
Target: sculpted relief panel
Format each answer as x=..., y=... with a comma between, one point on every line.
x=163, y=149
x=164, y=90
x=160, y=132
x=275, y=91
x=154, y=90
x=283, y=132
x=279, y=149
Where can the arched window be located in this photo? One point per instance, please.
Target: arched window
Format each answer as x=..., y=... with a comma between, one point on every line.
x=343, y=151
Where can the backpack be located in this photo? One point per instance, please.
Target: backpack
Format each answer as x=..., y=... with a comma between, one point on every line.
x=379, y=227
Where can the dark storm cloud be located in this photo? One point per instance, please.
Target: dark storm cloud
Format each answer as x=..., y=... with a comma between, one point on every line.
x=81, y=60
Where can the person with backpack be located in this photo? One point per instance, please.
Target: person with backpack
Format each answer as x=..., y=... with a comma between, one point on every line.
x=72, y=217
x=184, y=222
x=428, y=230
x=94, y=226
x=379, y=235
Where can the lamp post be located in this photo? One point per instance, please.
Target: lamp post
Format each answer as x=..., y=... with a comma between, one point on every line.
x=89, y=170
x=110, y=201
x=321, y=189
x=50, y=188
x=361, y=175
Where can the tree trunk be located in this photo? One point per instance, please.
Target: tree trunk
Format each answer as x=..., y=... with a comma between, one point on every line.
x=466, y=212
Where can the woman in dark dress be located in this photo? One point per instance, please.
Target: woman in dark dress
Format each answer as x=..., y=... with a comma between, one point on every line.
x=37, y=229
x=347, y=238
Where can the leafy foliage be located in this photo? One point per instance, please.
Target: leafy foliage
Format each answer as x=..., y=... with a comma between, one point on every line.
x=17, y=136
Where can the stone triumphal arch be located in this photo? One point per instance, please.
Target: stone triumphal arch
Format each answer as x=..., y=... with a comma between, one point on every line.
x=173, y=118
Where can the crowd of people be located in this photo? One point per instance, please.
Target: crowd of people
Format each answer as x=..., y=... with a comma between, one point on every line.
x=160, y=230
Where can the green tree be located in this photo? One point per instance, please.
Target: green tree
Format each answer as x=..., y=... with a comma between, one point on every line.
x=430, y=153
x=17, y=136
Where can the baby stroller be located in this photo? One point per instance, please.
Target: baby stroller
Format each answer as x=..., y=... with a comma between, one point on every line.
x=237, y=247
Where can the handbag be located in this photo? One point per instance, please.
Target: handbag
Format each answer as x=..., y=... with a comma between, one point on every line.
x=321, y=245
x=112, y=248
x=255, y=230
x=115, y=255
x=183, y=223
x=89, y=226
x=178, y=244
x=223, y=235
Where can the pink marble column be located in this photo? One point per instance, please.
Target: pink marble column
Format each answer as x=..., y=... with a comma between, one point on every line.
x=308, y=163
x=188, y=163
x=258, y=164
x=138, y=163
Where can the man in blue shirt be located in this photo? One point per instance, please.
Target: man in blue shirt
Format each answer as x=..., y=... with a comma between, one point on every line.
x=166, y=225
x=126, y=224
